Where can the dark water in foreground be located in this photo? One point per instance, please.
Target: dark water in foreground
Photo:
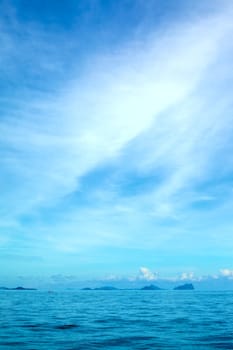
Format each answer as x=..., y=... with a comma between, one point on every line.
x=116, y=320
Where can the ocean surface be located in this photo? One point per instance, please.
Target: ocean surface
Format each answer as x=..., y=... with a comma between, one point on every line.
x=127, y=319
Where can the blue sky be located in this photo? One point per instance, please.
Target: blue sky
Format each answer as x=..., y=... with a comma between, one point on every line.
x=116, y=139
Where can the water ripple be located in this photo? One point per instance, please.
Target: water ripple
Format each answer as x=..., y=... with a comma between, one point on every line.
x=116, y=319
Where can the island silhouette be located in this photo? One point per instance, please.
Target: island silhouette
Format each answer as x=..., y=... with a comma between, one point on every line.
x=186, y=286
x=17, y=288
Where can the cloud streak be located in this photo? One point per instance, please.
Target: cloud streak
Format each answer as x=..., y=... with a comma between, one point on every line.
x=140, y=83
x=157, y=107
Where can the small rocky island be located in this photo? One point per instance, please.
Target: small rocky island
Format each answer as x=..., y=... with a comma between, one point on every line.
x=101, y=288
x=106, y=288
x=17, y=288
x=186, y=286
x=151, y=287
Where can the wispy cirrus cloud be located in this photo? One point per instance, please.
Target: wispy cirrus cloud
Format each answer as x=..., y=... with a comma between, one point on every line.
x=91, y=115
x=150, y=112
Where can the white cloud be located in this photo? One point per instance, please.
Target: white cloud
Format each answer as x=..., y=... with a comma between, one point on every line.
x=227, y=273
x=187, y=276
x=146, y=274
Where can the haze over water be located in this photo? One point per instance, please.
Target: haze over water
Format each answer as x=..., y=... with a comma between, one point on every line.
x=78, y=320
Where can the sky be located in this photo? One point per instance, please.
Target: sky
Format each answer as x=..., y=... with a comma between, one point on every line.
x=116, y=140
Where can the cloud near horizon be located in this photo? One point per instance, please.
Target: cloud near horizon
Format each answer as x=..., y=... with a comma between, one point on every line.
x=147, y=275
x=227, y=273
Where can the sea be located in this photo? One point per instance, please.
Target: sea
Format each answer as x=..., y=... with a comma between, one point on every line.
x=115, y=319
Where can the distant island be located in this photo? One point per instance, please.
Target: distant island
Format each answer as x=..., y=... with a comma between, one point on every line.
x=186, y=286
x=101, y=288
x=151, y=287
x=17, y=288
x=106, y=288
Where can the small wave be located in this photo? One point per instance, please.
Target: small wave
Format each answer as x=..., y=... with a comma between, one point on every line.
x=12, y=343
x=217, y=338
x=179, y=320
x=35, y=327
x=32, y=325
x=67, y=326
x=220, y=345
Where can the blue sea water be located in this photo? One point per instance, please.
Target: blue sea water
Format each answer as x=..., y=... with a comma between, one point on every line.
x=116, y=320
